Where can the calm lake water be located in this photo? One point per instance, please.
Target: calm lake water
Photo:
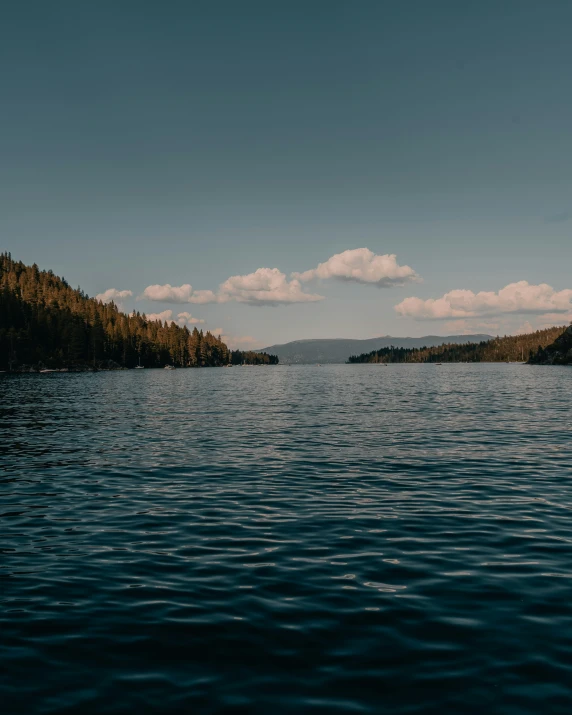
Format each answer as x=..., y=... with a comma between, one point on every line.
x=340, y=539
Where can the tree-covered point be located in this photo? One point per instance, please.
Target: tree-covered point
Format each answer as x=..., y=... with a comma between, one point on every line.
x=510, y=348
x=557, y=353
x=45, y=322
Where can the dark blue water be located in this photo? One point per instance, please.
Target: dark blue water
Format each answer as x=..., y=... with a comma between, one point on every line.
x=342, y=539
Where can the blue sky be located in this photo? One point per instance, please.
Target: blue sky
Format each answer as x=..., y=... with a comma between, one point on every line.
x=184, y=143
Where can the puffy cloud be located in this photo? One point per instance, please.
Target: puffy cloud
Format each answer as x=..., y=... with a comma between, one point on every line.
x=518, y=297
x=113, y=294
x=362, y=266
x=188, y=319
x=266, y=286
x=165, y=315
x=206, y=296
x=168, y=293
x=182, y=318
x=179, y=294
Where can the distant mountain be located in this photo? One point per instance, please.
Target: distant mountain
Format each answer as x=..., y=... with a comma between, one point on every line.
x=336, y=350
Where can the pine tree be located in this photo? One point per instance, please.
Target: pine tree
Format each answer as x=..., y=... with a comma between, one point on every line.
x=45, y=321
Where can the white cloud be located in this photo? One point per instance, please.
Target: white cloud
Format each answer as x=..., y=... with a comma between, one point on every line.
x=182, y=318
x=112, y=294
x=362, y=266
x=518, y=297
x=205, y=296
x=188, y=319
x=165, y=315
x=168, y=293
x=266, y=286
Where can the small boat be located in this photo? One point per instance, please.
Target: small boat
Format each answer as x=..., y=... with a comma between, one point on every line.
x=169, y=367
x=438, y=363
x=140, y=367
x=46, y=370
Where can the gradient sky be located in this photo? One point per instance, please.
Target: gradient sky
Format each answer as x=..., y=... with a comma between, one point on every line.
x=186, y=142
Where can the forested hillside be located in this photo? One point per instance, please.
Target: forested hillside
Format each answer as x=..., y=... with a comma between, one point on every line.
x=511, y=348
x=43, y=321
x=557, y=353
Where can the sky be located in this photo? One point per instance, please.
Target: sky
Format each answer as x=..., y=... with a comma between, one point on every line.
x=290, y=170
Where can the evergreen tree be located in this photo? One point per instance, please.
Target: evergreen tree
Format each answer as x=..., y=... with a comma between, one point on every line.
x=43, y=321
x=510, y=348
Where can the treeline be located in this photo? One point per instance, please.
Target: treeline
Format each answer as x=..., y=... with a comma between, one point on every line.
x=557, y=353
x=43, y=321
x=248, y=357
x=510, y=348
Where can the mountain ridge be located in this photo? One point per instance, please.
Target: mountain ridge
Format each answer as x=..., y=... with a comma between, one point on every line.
x=338, y=350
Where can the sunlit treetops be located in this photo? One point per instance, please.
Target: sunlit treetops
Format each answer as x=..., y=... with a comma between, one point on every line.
x=45, y=321
x=510, y=348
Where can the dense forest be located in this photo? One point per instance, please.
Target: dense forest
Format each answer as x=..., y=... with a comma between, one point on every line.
x=557, y=353
x=46, y=323
x=511, y=348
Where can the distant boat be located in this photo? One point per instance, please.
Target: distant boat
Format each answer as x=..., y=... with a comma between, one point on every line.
x=46, y=370
x=139, y=367
x=169, y=367
x=438, y=363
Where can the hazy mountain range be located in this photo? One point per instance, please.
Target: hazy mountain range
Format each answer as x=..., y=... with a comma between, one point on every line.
x=338, y=350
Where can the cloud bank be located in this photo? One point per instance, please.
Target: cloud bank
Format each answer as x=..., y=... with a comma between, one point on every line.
x=266, y=286
x=113, y=294
x=520, y=297
x=362, y=266
x=269, y=286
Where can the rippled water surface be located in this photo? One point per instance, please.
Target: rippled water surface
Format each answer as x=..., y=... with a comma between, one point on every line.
x=335, y=539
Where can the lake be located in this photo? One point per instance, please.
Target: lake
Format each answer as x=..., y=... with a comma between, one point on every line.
x=338, y=539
